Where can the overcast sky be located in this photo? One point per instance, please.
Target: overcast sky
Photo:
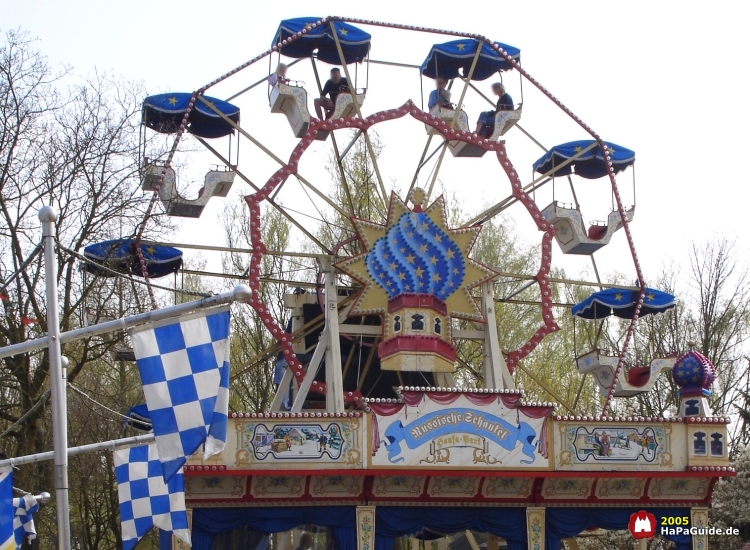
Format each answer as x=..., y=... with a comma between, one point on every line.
x=665, y=79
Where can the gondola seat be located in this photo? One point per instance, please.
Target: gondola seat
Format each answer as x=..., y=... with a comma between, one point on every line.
x=292, y=101
x=504, y=121
x=344, y=108
x=572, y=235
x=457, y=148
x=217, y=183
x=638, y=379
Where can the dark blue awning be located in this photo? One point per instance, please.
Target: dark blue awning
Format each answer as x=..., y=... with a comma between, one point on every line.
x=164, y=113
x=120, y=255
x=621, y=303
x=454, y=59
x=355, y=43
x=139, y=418
x=590, y=165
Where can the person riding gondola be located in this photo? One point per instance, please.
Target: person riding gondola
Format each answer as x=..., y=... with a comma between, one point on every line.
x=486, y=122
x=279, y=76
x=332, y=89
x=440, y=95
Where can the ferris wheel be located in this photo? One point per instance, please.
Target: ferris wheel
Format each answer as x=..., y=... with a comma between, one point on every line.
x=410, y=273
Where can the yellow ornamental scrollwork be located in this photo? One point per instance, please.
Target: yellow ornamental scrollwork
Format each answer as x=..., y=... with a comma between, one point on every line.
x=241, y=456
x=353, y=456
x=666, y=459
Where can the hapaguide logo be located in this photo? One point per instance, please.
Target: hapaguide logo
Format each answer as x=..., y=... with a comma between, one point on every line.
x=642, y=525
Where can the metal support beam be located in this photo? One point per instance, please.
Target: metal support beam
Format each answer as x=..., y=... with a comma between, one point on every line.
x=466, y=84
x=496, y=373
x=454, y=120
x=420, y=165
x=520, y=289
x=270, y=154
x=346, y=150
x=487, y=214
x=339, y=158
x=394, y=64
x=334, y=381
x=296, y=303
x=429, y=157
x=312, y=371
x=282, y=390
x=437, y=170
x=359, y=112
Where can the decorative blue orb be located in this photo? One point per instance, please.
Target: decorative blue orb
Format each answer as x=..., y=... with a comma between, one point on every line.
x=416, y=255
x=694, y=374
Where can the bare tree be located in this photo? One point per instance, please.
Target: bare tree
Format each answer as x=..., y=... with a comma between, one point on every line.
x=75, y=149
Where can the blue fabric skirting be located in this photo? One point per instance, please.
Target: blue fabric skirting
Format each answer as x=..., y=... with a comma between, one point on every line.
x=392, y=522
x=568, y=522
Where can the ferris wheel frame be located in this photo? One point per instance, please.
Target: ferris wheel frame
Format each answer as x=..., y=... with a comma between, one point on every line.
x=519, y=192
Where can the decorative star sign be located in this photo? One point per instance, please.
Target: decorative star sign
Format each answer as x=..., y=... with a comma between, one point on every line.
x=416, y=252
x=461, y=47
x=173, y=101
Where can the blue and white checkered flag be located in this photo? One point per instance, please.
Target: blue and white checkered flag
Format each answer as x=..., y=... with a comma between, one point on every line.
x=7, y=512
x=16, y=521
x=145, y=500
x=23, y=520
x=184, y=367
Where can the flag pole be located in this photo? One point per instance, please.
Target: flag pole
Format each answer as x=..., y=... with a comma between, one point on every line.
x=112, y=445
x=240, y=293
x=58, y=379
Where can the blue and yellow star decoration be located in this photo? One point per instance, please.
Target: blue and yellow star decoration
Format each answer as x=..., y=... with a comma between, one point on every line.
x=416, y=252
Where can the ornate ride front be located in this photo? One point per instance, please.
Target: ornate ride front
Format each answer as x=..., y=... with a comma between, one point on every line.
x=415, y=290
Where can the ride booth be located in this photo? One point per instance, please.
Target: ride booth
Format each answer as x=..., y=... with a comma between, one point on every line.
x=435, y=463
x=474, y=467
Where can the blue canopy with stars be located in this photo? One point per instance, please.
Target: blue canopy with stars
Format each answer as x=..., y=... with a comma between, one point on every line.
x=621, y=303
x=454, y=59
x=590, y=165
x=120, y=255
x=164, y=113
x=355, y=43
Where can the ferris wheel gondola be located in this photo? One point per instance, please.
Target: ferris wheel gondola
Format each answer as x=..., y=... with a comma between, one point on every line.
x=217, y=183
x=468, y=60
x=208, y=118
x=622, y=303
x=583, y=159
x=319, y=43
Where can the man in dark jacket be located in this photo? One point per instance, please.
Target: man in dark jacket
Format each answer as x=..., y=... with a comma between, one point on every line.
x=332, y=89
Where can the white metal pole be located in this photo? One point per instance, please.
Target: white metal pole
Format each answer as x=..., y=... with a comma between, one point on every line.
x=58, y=385
x=112, y=445
x=240, y=293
